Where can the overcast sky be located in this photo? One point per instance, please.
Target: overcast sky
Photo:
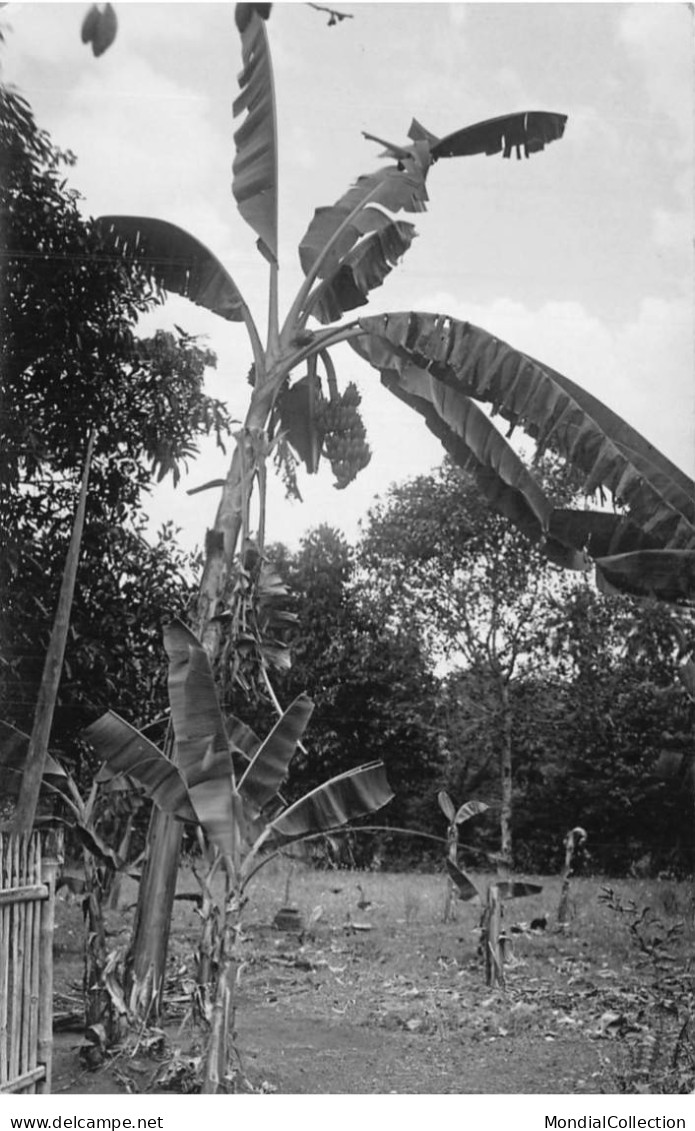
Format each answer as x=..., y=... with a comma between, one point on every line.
x=582, y=255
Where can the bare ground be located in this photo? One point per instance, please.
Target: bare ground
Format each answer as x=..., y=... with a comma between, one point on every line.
x=400, y=1007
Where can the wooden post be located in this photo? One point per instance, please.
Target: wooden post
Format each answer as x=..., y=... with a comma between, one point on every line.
x=35, y=985
x=16, y=959
x=27, y=950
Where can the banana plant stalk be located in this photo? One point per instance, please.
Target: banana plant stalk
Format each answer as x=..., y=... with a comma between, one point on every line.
x=575, y=839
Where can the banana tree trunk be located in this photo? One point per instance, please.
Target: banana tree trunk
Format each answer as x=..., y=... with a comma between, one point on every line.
x=146, y=961
x=506, y=847
x=147, y=955
x=451, y=889
x=219, y=1071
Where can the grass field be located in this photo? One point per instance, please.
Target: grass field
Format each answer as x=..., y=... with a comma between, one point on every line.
x=388, y=997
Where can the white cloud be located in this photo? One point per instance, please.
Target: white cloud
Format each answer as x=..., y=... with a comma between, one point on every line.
x=673, y=229
x=659, y=38
x=458, y=15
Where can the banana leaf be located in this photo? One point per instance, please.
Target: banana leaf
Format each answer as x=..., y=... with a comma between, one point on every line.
x=98, y=846
x=446, y=805
x=601, y=533
x=176, y=260
x=418, y=353
x=469, y=809
x=466, y=888
x=202, y=746
x=363, y=269
x=241, y=737
x=201, y=738
x=515, y=889
x=298, y=420
x=99, y=28
x=474, y=443
x=393, y=188
x=14, y=747
x=125, y=750
x=529, y=130
x=268, y=768
x=255, y=167
x=342, y=799
x=667, y=574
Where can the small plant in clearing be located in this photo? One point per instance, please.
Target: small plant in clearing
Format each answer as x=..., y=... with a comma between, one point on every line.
x=497, y=891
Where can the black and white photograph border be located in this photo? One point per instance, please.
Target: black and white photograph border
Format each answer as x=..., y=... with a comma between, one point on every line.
x=347, y=656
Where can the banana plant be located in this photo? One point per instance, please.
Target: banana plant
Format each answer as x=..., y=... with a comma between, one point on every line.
x=447, y=370
x=102, y=866
x=491, y=940
x=226, y=781
x=455, y=818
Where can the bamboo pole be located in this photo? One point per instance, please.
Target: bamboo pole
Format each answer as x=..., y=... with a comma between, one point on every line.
x=49, y=868
x=15, y=961
x=4, y=960
x=27, y=948
x=53, y=665
x=34, y=975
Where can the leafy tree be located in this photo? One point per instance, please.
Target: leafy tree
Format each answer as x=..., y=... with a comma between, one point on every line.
x=370, y=679
x=623, y=707
x=477, y=588
x=72, y=363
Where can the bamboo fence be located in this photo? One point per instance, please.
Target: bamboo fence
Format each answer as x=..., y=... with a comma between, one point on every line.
x=27, y=889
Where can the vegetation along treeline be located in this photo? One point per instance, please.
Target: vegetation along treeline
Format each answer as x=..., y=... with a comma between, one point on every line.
x=452, y=651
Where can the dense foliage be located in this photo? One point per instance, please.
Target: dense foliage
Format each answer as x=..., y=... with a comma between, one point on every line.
x=72, y=361
x=442, y=636
x=601, y=721
x=373, y=689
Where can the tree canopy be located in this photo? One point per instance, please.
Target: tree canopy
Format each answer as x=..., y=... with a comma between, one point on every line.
x=72, y=360
x=371, y=682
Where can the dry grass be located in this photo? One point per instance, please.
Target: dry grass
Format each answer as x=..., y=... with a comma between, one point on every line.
x=410, y=973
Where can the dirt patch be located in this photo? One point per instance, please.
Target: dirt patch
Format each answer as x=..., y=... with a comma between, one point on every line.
x=398, y=1008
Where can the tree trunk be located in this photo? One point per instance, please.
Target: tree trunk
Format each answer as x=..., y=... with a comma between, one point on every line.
x=146, y=961
x=506, y=849
x=147, y=954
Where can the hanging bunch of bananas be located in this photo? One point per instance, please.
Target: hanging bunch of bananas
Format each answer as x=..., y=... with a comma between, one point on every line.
x=344, y=435
x=315, y=426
